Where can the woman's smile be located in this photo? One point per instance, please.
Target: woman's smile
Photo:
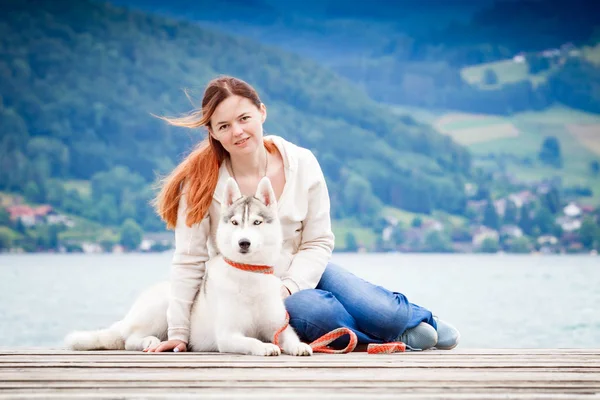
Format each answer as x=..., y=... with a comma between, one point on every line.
x=242, y=143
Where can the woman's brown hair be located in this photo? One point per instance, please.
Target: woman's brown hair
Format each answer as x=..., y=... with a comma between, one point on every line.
x=200, y=169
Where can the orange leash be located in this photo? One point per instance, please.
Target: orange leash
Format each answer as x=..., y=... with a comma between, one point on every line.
x=320, y=345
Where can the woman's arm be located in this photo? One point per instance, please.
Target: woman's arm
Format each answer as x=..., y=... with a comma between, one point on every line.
x=317, y=238
x=187, y=271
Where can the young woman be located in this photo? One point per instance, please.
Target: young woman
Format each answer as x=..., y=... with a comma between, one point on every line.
x=319, y=296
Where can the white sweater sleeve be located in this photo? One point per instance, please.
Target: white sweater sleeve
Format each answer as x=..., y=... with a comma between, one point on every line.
x=318, y=240
x=187, y=271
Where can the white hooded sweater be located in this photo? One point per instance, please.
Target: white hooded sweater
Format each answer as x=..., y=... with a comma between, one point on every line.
x=307, y=237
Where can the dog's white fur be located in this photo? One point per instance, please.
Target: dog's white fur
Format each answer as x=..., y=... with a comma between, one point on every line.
x=235, y=311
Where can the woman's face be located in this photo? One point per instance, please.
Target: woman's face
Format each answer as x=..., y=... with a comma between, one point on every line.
x=237, y=124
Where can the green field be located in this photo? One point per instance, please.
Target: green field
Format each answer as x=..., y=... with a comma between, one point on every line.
x=592, y=54
x=364, y=236
x=83, y=187
x=507, y=71
x=522, y=135
x=405, y=218
x=12, y=235
x=419, y=114
x=88, y=231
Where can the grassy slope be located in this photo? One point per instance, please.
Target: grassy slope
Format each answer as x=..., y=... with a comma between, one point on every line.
x=82, y=187
x=507, y=72
x=364, y=236
x=592, y=54
x=522, y=134
x=405, y=218
x=532, y=128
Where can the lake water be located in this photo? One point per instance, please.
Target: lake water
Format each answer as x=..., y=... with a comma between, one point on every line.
x=497, y=301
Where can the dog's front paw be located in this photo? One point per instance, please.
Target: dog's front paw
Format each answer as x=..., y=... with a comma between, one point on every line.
x=266, y=349
x=300, y=349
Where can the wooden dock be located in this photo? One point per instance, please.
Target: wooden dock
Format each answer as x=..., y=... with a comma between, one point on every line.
x=456, y=374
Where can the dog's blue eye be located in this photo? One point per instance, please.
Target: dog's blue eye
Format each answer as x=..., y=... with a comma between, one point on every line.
x=257, y=222
x=234, y=222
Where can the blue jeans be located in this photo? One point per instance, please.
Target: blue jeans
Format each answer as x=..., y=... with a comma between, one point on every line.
x=342, y=299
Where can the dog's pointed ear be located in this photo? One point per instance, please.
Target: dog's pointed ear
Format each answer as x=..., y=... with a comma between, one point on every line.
x=232, y=192
x=265, y=192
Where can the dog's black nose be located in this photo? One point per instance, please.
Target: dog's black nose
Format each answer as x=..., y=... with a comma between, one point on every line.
x=244, y=243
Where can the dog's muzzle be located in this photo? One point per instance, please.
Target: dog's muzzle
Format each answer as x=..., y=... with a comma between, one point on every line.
x=244, y=245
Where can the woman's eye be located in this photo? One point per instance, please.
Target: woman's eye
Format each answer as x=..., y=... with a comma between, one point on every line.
x=234, y=222
x=246, y=117
x=257, y=222
x=222, y=126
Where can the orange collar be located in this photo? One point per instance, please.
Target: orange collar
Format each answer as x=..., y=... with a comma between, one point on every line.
x=263, y=269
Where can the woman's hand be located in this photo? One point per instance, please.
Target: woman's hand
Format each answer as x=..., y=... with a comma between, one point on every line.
x=285, y=292
x=170, y=345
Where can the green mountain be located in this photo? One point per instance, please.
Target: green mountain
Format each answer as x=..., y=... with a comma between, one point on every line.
x=79, y=80
x=411, y=53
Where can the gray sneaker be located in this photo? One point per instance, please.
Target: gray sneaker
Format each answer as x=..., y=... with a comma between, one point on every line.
x=421, y=337
x=448, y=335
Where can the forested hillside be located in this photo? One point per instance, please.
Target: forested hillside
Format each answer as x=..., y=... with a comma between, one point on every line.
x=79, y=81
x=412, y=53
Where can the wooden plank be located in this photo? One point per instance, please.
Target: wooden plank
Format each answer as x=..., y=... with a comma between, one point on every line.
x=269, y=360
x=464, y=374
x=341, y=362
x=346, y=395
x=294, y=374
x=279, y=361
x=437, y=353
x=446, y=382
x=521, y=366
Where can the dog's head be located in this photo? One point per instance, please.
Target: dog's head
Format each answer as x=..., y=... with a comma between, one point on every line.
x=249, y=230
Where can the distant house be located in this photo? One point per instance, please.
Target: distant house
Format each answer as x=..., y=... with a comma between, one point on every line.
x=575, y=247
x=521, y=198
x=500, y=206
x=55, y=218
x=511, y=231
x=146, y=245
x=88, y=247
x=482, y=233
x=519, y=58
x=470, y=189
x=550, y=53
x=572, y=210
x=118, y=249
x=30, y=216
x=432, y=225
x=386, y=234
x=587, y=209
x=164, y=239
x=477, y=205
x=545, y=240
x=568, y=224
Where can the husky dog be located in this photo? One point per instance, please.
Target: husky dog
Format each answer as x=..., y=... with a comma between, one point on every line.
x=236, y=310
